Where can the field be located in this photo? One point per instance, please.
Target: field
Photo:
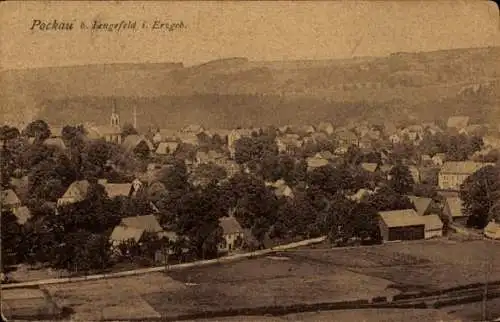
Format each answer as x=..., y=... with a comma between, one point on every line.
x=307, y=275
x=416, y=265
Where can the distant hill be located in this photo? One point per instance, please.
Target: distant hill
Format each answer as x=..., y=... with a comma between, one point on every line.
x=230, y=91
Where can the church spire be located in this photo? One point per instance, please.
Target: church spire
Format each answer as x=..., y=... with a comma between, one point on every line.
x=115, y=119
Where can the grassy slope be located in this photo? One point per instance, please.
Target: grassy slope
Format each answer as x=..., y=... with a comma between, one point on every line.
x=251, y=90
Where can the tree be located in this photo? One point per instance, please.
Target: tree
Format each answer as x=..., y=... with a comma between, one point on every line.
x=39, y=130
x=196, y=217
x=254, y=148
x=8, y=153
x=401, y=180
x=11, y=239
x=386, y=199
x=479, y=193
x=128, y=129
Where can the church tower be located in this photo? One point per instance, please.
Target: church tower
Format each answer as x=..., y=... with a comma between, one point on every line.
x=115, y=119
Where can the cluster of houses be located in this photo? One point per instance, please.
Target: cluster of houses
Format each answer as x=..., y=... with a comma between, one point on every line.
x=422, y=223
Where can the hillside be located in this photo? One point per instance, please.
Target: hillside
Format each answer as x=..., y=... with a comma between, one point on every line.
x=235, y=90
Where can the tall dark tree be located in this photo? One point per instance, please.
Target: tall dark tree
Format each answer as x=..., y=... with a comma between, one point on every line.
x=39, y=130
x=401, y=180
x=479, y=193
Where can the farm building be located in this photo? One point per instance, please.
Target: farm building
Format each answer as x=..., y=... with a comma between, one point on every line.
x=232, y=234
x=433, y=226
x=401, y=225
x=453, y=210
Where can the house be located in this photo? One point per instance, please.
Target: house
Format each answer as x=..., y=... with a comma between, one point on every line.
x=492, y=230
x=134, y=142
x=438, y=159
x=315, y=162
x=288, y=143
x=454, y=173
x=415, y=173
x=395, y=138
x=370, y=167
x=426, y=159
x=121, y=234
x=20, y=187
x=110, y=133
x=193, y=128
x=458, y=122
x=76, y=192
x=232, y=233
x=9, y=200
x=347, y=138
x=188, y=138
x=473, y=129
x=326, y=127
x=163, y=135
x=208, y=157
x=23, y=214
x=422, y=204
x=281, y=189
x=165, y=148
x=360, y=195
x=491, y=142
x=453, y=210
x=327, y=155
x=56, y=131
x=401, y=225
x=433, y=226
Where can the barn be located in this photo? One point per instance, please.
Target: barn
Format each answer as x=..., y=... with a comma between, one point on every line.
x=401, y=225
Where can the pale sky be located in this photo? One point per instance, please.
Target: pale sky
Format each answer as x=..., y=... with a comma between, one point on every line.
x=256, y=30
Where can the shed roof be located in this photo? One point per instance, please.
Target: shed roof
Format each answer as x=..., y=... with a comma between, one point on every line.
x=167, y=147
x=401, y=218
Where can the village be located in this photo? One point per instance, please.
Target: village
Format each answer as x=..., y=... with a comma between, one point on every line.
x=171, y=196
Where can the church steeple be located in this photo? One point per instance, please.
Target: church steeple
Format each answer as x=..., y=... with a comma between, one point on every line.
x=115, y=119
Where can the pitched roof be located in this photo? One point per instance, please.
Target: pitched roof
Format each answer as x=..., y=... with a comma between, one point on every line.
x=172, y=236
x=432, y=222
x=458, y=122
x=455, y=206
x=314, y=162
x=9, y=198
x=230, y=225
x=189, y=138
x=133, y=140
x=421, y=204
x=386, y=167
x=23, y=214
x=492, y=230
x=401, y=218
x=360, y=194
x=117, y=189
x=193, y=128
x=148, y=223
x=370, y=167
x=99, y=131
x=463, y=167
x=167, y=147
x=123, y=233
x=81, y=187
x=55, y=142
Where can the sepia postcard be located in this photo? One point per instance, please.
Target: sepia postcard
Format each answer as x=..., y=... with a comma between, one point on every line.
x=250, y=161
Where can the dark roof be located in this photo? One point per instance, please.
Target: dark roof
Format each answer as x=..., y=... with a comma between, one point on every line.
x=421, y=204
